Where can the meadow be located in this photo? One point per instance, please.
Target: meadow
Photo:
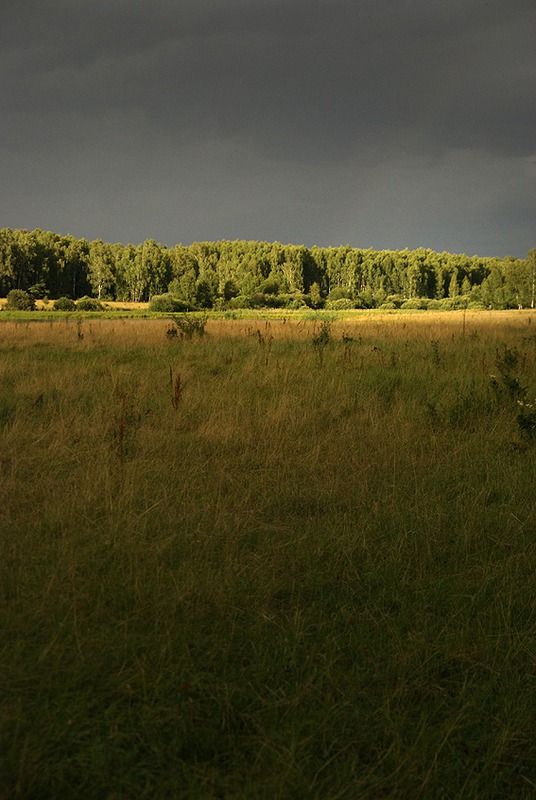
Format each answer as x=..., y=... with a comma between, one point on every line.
x=283, y=559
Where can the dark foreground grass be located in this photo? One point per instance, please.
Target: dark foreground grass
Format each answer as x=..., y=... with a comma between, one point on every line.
x=245, y=566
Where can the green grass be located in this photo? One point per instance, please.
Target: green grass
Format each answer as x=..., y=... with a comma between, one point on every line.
x=304, y=576
x=141, y=311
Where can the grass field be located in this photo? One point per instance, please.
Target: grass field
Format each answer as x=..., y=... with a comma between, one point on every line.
x=286, y=559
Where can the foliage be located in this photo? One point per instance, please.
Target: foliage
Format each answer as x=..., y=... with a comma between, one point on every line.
x=511, y=393
x=38, y=291
x=64, y=304
x=19, y=300
x=526, y=420
x=208, y=274
x=269, y=286
x=507, y=384
x=341, y=304
x=188, y=326
x=338, y=293
x=323, y=337
x=416, y=303
x=165, y=303
x=315, y=296
x=89, y=304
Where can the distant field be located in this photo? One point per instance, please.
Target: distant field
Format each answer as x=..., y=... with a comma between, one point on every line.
x=112, y=305
x=285, y=559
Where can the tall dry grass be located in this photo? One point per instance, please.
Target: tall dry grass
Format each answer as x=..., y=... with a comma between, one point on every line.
x=285, y=575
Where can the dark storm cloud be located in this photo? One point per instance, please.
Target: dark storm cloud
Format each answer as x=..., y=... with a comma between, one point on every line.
x=348, y=85
x=317, y=76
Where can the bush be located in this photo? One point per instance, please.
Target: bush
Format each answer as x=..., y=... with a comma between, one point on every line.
x=188, y=327
x=342, y=304
x=453, y=303
x=297, y=303
x=230, y=290
x=19, y=300
x=291, y=300
x=89, y=304
x=258, y=300
x=64, y=304
x=338, y=293
x=167, y=304
x=181, y=290
x=365, y=300
x=38, y=291
x=239, y=302
x=389, y=306
x=415, y=303
x=269, y=286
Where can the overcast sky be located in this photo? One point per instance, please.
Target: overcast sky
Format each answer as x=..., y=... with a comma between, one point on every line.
x=374, y=123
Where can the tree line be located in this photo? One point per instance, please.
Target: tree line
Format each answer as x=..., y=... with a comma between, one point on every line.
x=245, y=273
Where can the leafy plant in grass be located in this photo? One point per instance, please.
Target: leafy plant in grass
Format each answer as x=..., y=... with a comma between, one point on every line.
x=322, y=339
x=506, y=384
x=188, y=327
x=526, y=421
x=64, y=304
x=19, y=300
x=436, y=354
x=507, y=389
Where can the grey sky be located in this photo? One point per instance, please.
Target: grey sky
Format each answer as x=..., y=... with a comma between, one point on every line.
x=385, y=123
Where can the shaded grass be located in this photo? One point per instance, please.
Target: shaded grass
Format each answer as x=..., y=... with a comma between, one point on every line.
x=304, y=581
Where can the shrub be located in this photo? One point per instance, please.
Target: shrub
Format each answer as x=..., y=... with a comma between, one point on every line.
x=272, y=301
x=239, y=302
x=389, y=306
x=342, y=304
x=338, y=293
x=415, y=303
x=188, y=327
x=460, y=302
x=298, y=302
x=230, y=290
x=38, y=291
x=365, y=299
x=19, y=300
x=315, y=299
x=166, y=304
x=258, y=300
x=183, y=290
x=89, y=304
x=453, y=303
x=322, y=339
x=64, y=304
x=292, y=300
x=269, y=286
